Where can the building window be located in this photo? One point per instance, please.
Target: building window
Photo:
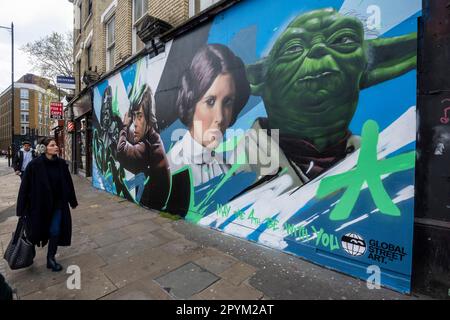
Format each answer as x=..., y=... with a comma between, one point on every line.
x=89, y=8
x=24, y=105
x=79, y=75
x=77, y=22
x=89, y=57
x=40, y=119
x=196, y=6
x=110, y=42
x=140, y=8
x=81, y=13
x=23, y=93
x=40, y=106
x=24, y=129
x=24, y=117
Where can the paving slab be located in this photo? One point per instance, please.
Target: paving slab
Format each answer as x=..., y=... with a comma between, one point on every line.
x=107, y=238
x=223, y=290
x=129, y=247
x=94, y=285
x=180, y=247
x=33, y=279
x=166, y=234
x=238, y=273
x=143, y=289
x=152, y=262
x=186, y=281
x=216, y=263
x=140, y=228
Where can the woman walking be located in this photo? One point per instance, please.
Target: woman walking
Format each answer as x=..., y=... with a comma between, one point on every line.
x=44, y=197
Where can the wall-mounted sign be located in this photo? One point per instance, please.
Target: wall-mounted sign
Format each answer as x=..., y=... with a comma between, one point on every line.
x=70, y=126
x=56, y=110
x=66, y=82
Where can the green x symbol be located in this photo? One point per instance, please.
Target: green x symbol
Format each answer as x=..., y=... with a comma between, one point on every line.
x=368, y=169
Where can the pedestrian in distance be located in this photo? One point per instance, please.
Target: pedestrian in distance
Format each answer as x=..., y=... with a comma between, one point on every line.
x=23, y=158
x=44, y=197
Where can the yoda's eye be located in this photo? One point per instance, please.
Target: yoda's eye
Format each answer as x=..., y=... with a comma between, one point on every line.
x=293, y=49
x=344, y=40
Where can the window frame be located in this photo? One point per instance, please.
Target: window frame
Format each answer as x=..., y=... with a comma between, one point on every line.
x=24, y=102
x=79, y=74
x=89, y=9
x=110, y=46
x=89, y=56
x=23, y=95
x=195, y=6
x=135, y=41
x=144, y=3
x=81, y=14
x=24, y=117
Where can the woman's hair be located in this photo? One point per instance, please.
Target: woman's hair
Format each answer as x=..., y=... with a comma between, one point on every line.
x=143, y=96
x=46, y=140
x=209, y=62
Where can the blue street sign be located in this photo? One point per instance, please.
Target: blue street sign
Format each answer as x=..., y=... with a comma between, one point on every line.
x=65, y=82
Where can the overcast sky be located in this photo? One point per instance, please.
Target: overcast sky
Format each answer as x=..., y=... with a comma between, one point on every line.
x=33, y=19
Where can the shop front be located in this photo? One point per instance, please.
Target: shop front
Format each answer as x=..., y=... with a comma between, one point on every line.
x=59, y=137
x=83, y=139
x=82, y=135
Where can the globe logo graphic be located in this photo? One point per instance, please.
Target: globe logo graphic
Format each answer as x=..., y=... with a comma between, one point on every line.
x=353, y=244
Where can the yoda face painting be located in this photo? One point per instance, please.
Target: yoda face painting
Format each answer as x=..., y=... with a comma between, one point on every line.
x=311, y=80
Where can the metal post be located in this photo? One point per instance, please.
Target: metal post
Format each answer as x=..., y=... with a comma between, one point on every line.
x=12, y=86
x=11, y=153
x=12, y=93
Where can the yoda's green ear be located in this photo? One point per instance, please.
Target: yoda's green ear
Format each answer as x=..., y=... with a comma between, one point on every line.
x=389, y=58
x=256, y=77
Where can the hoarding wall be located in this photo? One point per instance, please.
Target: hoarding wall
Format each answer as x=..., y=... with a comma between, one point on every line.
x=287, y=123
x=431, y=267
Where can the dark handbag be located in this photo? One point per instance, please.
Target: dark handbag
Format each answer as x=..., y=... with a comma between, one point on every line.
x=20, y=252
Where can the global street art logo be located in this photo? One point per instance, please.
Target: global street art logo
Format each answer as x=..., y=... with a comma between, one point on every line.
x=385, y=252
x=353, y=244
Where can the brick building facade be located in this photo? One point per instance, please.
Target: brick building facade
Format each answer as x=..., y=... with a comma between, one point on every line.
x=105, y=30
x=32, y=97
x=106, y=37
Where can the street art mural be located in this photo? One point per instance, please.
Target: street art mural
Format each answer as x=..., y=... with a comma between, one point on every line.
x=294, y=128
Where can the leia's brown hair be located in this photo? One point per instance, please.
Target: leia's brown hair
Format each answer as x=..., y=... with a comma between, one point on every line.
x=208, y=63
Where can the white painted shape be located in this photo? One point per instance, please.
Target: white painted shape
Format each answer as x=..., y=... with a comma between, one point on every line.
x=364, y=216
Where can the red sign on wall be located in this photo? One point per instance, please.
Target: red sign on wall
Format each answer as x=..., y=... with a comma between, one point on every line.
x=70, y=126
x=56, y=110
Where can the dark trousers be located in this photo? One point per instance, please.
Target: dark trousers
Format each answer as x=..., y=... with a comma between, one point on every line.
x=55, y=230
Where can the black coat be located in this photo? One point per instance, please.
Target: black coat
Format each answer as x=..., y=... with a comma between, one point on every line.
x=18, y=159
x=35, y=201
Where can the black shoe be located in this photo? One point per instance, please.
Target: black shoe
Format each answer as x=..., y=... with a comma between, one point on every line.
x=52, y=264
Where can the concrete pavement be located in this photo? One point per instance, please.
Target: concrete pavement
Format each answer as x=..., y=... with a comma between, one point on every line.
x=126, y=252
